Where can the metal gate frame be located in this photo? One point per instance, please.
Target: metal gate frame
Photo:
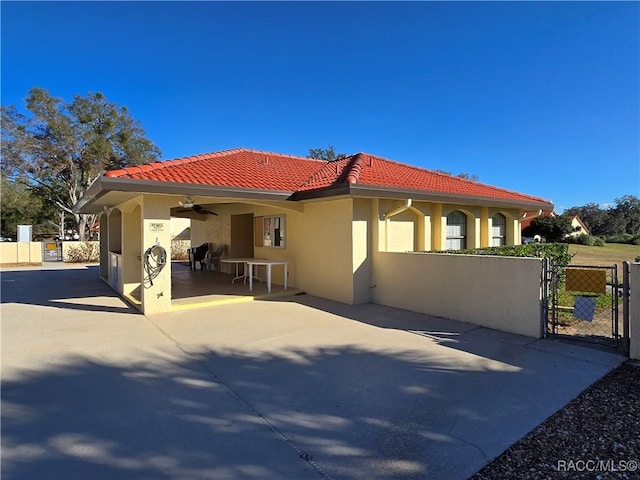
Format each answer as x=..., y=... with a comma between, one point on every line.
x=48, y=254
x=554, y=280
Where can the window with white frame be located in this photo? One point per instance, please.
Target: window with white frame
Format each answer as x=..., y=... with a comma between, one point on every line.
x=273, y=228
x=498, y=230
x=456, y=231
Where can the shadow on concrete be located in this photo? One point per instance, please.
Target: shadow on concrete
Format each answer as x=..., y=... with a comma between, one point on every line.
x=357, y=413
x=68, y=288
x=455, y=334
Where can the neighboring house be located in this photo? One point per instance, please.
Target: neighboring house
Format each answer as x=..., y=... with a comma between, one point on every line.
x=328, y=219
x=578, y=226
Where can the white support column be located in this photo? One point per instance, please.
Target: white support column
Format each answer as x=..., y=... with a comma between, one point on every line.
x=131, y=249
x=156, y=230
x=104, y=247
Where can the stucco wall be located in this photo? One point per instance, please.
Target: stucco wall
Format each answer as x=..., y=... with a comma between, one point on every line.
x=503, y=293
x=321, y=243
x=634, y=311
x=12, y=253
x=362, y=232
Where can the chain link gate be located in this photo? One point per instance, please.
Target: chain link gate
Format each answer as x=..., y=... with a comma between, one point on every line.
x=583, y=303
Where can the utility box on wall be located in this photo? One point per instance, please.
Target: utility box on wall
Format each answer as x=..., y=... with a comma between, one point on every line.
x=25, y=233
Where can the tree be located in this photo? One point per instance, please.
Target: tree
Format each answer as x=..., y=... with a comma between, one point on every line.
x=61, y=148
x=328, y=154
x=466, y=176
x=624, y=217
x=19, y=206
x=627, y=210
x=552, y=228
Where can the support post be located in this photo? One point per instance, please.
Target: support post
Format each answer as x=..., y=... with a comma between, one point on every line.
x=626, y=293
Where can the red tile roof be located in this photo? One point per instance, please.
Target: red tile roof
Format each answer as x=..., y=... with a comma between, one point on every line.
x=259, y=170
x=230, y=168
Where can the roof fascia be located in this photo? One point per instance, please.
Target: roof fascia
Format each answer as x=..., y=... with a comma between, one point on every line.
x=107, y=184
x=320, y=193
x=360, y=190
x=440, y=197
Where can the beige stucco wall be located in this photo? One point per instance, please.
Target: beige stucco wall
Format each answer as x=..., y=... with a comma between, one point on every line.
x=634, y=311
x=322, y=245
x=131, y=249
x=20, y=252
x=502, y=293
x=362, y=234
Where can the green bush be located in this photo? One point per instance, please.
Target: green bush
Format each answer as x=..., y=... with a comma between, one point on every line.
x=558, y=253
x=590, y=240
x=626, y=238
x=620, y=238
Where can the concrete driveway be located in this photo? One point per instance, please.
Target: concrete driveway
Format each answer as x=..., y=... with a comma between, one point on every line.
x=304, y=388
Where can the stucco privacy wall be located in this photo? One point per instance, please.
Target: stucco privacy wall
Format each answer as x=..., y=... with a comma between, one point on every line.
x=20, y=252
x=318, y=243
x=503, y=293
x=634, y=311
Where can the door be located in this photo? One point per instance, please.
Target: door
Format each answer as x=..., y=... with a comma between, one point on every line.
x=241, y=236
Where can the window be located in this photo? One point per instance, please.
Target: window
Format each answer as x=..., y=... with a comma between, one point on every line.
x=270, y=231
x=498, y=230
x=456, y=230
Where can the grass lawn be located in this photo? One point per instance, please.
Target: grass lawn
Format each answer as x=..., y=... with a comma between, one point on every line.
x=608, y=255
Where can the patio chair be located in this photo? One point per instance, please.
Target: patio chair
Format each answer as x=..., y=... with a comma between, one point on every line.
x=198, y=254
x=213, y=257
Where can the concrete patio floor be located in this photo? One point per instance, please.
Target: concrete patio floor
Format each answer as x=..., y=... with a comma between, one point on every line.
x=294, y=388
x=194, y=288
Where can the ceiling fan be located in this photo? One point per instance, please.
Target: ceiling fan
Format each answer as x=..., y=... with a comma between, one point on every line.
x=188, y=204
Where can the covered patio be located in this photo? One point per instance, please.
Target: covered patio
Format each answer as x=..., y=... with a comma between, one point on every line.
x=191, y=288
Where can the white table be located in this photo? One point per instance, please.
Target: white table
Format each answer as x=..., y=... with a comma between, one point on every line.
x=239, y=261
x=267, y=263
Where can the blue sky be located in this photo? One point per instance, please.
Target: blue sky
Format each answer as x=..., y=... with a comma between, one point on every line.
x=538, y=97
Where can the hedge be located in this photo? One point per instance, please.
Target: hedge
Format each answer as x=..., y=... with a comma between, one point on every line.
x=558, y=253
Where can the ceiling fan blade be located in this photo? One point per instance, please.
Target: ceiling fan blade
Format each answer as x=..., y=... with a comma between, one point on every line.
x=204, y=212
